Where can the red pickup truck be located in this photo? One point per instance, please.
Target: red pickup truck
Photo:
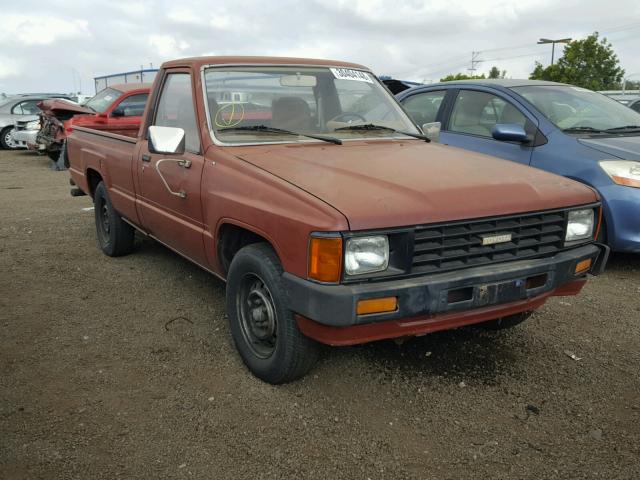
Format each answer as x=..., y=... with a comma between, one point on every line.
x=331, y=218
x=116, y=109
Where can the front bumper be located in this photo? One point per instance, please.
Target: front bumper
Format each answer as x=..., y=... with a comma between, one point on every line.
x=478, y=288
x=26, y=138
x=622, y=214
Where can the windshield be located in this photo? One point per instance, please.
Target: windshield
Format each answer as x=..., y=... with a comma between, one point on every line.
x=306, y=100
x=103, y=100
x=570, y=107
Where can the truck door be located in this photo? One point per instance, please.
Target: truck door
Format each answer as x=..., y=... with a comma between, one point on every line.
x=170, y=200
x=472, y=119
x=125, y=117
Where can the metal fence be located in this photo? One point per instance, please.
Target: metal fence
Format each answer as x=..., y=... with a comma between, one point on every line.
x=136, y=76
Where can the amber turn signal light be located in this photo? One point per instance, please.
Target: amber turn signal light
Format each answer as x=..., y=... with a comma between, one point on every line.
x=325, y=259
x=583, y=266
x=377, y=305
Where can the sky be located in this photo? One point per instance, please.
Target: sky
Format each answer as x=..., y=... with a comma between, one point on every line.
x=59, y=46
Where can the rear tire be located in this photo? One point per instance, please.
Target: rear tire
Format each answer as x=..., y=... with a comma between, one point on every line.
x=115, y=236
x=264, y=330
x=506, y=322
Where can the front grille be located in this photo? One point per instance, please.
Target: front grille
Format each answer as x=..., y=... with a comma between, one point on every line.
x=456, y=245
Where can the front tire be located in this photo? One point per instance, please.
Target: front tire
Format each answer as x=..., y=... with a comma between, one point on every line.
x=115, y=236
x=6, y=139
x=506, y=322
x=264, y=330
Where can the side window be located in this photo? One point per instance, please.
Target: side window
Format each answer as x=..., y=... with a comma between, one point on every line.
x=133, y=106
x=175, y=109
x=423, y=107
x=636, y=106
x=27, y=108
x=476, y=113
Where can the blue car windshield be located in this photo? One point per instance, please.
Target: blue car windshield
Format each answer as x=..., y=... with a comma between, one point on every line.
x=575, y=108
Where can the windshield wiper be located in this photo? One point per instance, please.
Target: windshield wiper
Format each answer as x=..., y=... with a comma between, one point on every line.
x=371, y=126
x=265, y=129
x=626, y=128
x=583, y=130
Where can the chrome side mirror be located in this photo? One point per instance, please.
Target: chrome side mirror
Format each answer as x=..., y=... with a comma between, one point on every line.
x=432, y=131
x=166, y=140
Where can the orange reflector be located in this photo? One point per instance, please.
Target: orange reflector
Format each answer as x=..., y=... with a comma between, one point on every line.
x=583, y=266
x=377, y=305
x=325, y=258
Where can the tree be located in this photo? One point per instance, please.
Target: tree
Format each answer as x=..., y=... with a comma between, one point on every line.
x=588, y=63
x=632, y=85
x=496, y=73
x=493, y=73
x=461, y=76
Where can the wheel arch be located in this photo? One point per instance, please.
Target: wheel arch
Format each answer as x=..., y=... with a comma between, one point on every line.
x=232, y=235
x=93, y=177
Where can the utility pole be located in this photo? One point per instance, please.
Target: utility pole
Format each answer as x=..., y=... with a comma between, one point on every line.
x=543, y=41
x=474, y=62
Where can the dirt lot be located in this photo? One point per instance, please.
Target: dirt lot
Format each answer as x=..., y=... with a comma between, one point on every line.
x=99, y=382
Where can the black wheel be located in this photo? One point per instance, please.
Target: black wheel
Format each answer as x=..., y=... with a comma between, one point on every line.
x=264, y=330
x=115, y=236
x=54, y=155
x=506, y=322
x=6, y=139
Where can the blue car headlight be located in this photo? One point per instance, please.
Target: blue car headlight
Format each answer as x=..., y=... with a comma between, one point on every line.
x=622, y=172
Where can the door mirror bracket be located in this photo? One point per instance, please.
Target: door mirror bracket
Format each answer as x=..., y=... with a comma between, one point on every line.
x=169, y=140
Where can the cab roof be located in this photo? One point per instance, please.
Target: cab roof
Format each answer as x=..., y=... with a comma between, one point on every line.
x=198, y=62
x=129, y=87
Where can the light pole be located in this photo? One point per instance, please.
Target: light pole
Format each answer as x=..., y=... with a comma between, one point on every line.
x=553, y=44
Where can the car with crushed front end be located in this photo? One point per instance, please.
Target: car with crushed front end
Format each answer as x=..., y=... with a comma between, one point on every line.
x=20, y=108
x=330, y=216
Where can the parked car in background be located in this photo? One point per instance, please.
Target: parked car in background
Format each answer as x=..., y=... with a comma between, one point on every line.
x=19, y=108
x=116, y=109
x=81, y=99
x=560, y=128
x=330, y=217
x=635, y=105
x=396, y=86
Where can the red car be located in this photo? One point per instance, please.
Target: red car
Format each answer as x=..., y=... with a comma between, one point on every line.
x=116, y=109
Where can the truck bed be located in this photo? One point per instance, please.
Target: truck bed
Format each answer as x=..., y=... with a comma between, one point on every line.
x=91, y=151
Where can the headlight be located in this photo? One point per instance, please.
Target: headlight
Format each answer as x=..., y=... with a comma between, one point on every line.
x=623, y=172
x=580, y=225
x=33, y=125
x=366, y=255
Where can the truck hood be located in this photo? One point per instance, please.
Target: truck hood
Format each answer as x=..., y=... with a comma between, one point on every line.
x=56, y=107
x=625, y=147
x=390, y=184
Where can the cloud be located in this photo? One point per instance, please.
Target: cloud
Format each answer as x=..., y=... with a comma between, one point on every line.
x=167, y=45
x=39, y=29
x=9, y=67
x=411, y=39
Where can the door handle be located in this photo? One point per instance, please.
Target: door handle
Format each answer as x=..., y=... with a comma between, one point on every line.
x=182, y=163
x=146, y=157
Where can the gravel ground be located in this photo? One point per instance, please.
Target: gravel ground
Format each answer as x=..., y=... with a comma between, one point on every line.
x=124, y=368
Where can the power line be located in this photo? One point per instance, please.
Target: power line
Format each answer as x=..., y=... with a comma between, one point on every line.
x=474, y=62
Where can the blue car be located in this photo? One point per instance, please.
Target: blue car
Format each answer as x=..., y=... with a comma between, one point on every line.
x=560, y=128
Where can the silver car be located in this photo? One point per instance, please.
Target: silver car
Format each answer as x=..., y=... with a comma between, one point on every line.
x=18, y=108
